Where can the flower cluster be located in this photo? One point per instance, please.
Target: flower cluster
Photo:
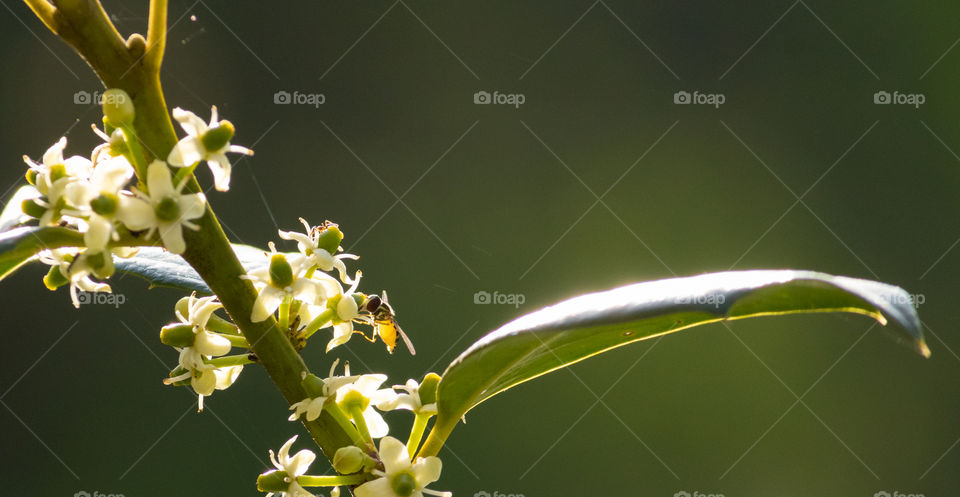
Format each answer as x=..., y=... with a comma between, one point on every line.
x=97, y=196
x=297, y=286
x=200, y=347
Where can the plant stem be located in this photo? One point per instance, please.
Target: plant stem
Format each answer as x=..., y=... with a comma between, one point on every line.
x=357, y=415
x=85, y=26
x=156, y=33
x=331, y=481
x=416, y=433
x=236, y=340
x=230, y=360
x=45, y=11
x=341, y=418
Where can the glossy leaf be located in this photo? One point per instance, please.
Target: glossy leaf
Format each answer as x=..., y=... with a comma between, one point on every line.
x=584, y=326
x=163, y=268
x=19, y=245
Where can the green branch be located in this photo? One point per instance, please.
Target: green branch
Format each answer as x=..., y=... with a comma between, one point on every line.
x=85, y=26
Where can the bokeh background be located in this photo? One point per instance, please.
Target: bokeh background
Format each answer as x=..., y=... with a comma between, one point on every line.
x=598, y=179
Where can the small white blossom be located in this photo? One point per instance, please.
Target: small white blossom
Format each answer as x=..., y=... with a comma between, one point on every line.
x=409, y=401
x=206, y=141
x=347, y=313
x=310, y=291
x=312, y=407
x=99, y=200
x=368, y=386
x=53, y=174
x=402, y=478
x=164, y=208
x=74, y=267
x=319, y=257
x=294, y=466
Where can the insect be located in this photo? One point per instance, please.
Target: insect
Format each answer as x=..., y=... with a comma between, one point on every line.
x=385, y=323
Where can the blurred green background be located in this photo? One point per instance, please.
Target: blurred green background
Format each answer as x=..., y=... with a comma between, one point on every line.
x=499, y=198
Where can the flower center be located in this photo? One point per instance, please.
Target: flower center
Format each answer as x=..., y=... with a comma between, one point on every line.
x=105, y=204
x=403, y=484
x=218, y=136
x=57, y=171
x=167, y=209
x=281, y=274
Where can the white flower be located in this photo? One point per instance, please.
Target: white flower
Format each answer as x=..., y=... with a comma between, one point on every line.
x=99, y=200
x=293, y=466
x=75, y=267
x=409, y=401
x=368, y=386
x=307, y=242
x=347, y=312
x=209, y=142
x=205, y=378
x=164, y=208
x=283, y=276
x=53, y=174
x=313, y=406
x=402, y=478
x=199, y=310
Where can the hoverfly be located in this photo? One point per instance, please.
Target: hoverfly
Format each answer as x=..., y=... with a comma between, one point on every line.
x=385, y=322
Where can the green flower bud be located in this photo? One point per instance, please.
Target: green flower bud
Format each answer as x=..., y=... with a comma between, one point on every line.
x=354, y=400
x=118, y=107
x=281, y=274
x=31, y=208
x=329, y=239
x=428, y=388
x=167, y=209
x=57, y=171
x=273, y=481
x=313, y=386
x=403, y=484
x=54, y=278
x=218, y=136
x=101, y=263
x=349, y=459
x=177, y=335
x=105, y=204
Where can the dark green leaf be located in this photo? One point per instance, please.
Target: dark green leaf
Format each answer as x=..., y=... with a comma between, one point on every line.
x=584, y=326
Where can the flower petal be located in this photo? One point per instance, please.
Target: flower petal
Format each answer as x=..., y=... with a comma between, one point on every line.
x=427, y=470
x=220, y=167
x=190, y=122
x=267, y=303
x=186, y=152
x=172, y=236
x=376, y=488
x=159, y=182
x=394, y=455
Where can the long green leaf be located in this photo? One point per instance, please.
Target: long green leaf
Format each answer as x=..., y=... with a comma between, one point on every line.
x=162, y=268
x=576, y=329
x=19, y=245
